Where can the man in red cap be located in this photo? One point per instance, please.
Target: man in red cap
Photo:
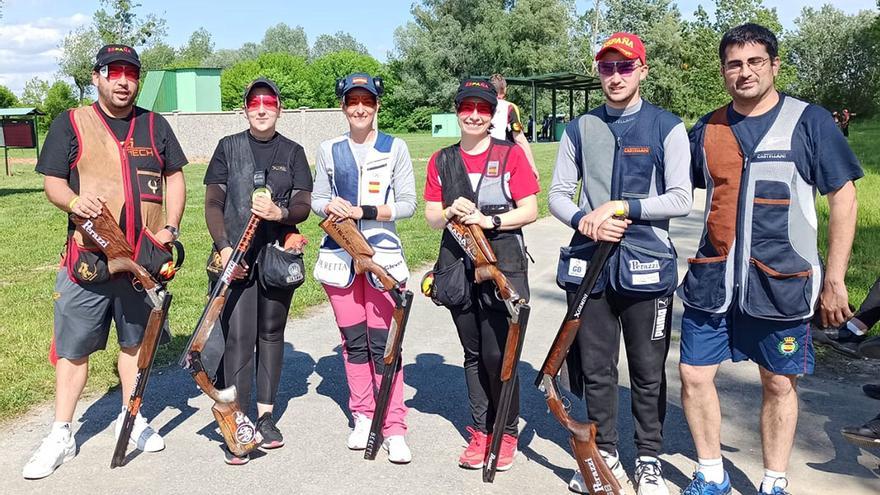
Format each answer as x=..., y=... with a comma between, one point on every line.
x=114, y=155
x=628, y=162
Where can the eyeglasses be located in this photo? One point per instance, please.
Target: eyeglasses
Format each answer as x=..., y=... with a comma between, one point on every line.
x=113, y=72
x=268, y=102
x=754, y=63
x=622, y=67
x=367, y=100
x=468, y=107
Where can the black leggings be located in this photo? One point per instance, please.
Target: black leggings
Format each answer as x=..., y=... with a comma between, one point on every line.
x=254, y=318
x=483, y=334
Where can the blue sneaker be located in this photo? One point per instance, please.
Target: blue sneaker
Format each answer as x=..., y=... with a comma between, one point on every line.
x=699, y=486
x=777, y=490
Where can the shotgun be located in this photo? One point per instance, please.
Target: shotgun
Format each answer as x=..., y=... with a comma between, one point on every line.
x=597, y=475
x=107, y=235
x=238, y=431
x=473, y=241
x=349, y=237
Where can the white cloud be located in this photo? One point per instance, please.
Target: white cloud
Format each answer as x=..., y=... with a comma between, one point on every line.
x=31, y=48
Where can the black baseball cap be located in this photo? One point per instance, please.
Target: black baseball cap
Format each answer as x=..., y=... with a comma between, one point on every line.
x=261, y=82
x=476, y=88
x=116, y=53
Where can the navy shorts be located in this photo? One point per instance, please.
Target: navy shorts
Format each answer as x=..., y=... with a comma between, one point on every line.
x=83, y=314
x=781, y=347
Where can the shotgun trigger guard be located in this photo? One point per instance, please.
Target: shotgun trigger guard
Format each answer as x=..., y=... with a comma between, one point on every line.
x=137, y=285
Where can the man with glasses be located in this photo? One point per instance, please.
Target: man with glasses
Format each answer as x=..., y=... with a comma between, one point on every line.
x=628, y=160
x=756, y=279
x=113, y=155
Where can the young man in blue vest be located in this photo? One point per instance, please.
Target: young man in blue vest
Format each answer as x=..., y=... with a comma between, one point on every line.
x=753, y=285
x=626, y=155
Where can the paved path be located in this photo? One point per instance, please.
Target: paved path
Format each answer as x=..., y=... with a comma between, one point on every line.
x=312, y=407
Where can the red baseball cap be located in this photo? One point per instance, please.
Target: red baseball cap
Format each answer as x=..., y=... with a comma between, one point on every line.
x=627, y=44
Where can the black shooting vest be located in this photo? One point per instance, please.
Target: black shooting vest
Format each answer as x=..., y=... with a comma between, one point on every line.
x=491, y=197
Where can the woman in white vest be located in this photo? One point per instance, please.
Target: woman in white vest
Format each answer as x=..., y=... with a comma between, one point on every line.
x=367, y=176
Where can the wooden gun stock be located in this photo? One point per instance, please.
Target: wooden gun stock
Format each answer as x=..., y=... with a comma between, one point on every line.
x=346, y=233
x=238, y=431
x=106, y=234
x=597, y=475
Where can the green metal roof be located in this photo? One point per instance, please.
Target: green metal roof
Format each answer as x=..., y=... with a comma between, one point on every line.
x=556, y=80
x=20, y=112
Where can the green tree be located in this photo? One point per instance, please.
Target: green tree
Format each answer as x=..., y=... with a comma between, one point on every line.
x=7, y=98
x=835, y=58
x=288, y=71
x=341, y=41
x=59, y=98
x=77, y=58
x=117, y=22
x=450, y=39
x=282, y=38
x=34, y=93
x=324, y=71
x=159, y=56
x=196, y=50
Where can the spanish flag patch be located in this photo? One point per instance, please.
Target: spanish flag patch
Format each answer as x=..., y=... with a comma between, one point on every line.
x=374, y=187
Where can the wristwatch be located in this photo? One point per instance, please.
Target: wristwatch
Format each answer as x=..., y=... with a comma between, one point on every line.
x=496, y=222
x=175, y=234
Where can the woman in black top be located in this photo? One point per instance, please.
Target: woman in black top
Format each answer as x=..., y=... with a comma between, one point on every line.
x=256, y=313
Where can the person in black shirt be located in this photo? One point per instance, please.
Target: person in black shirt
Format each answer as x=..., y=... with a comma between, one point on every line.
x=256, y=312
x=126, y=159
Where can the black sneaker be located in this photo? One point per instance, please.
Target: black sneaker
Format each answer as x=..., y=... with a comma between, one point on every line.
x=272, y=437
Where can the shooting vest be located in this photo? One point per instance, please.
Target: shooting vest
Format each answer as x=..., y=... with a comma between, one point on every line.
x=491, y=196
x=759, y=247
x=644, y=262
x=370, y=183
x=127, y=173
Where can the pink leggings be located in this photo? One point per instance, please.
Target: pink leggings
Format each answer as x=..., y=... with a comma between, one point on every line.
x=363, y=315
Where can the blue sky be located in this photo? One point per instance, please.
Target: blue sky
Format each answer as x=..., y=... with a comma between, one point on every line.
x=31, y=30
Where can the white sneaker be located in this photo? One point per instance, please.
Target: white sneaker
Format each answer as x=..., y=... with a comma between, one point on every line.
x=57, y=448
x=357, y=440
x=577, y=483
x=398, y=450
x=143, y=436
x=649, y=477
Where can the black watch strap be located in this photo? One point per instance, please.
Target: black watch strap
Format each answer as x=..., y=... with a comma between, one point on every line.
x=496, y=222
x=175, y=233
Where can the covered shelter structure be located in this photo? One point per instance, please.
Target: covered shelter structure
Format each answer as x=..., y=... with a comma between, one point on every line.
x=557, y=81
x=18, y=129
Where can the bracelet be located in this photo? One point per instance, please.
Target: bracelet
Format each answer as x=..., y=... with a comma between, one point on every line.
x=72, y=203
x=445, y=219
x=370, y=212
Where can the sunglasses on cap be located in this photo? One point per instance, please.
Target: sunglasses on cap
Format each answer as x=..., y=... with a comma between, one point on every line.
x=113, y=72
x=467, y=107
x=367, y=100
x=269, y=102
x=622, y=67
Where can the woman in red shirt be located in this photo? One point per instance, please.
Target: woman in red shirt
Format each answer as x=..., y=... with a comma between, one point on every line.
x=497, y=191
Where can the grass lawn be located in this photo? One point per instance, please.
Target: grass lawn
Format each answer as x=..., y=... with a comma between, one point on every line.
x=31, y=239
